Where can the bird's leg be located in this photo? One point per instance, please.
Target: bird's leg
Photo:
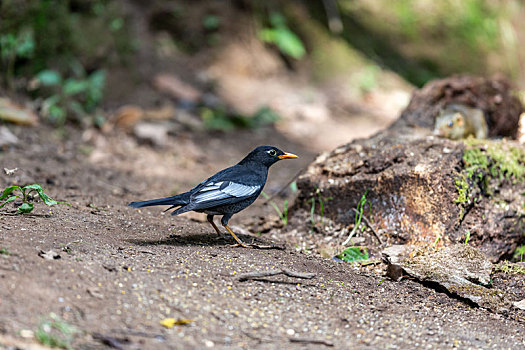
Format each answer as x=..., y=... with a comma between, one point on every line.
x=239, y=242
x=210, y=220
x=224, y=222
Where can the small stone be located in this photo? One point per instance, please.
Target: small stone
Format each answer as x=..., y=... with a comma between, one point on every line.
x=49, y=255
x=26, y=333
x=7, y=138
x=153, y=133
x=520, y=304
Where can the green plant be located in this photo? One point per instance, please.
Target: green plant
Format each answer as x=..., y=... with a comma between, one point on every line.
x=220, y=119
x=435, y=243
x=56, y=33
x=463, y=188
x=283, y=215
x=55, y=333
x=352, y=254
x=14, y=46
x=280, y=35
x=519, y=252
x=369, y=77
x=78, y=96
x=4, y=251
x=467, y=237
x=26, y=207
x=358, y=216
x=322, y=202
x=211, y=22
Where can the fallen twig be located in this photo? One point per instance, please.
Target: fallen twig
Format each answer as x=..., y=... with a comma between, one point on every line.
x=258, y=274
x=259, y=340
x=146, y=252
x=311, y=341
x=112, y=342
x=138, y=333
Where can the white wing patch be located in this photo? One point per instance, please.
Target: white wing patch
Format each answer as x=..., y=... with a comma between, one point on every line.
x=222, y=190
x=239, y=190
x=211, y=186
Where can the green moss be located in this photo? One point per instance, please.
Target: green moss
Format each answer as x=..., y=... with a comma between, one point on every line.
x=476, y=163
x=464, y=193
x=500, y=159
x=485, y=161
x=463, y=189
x=509, y=268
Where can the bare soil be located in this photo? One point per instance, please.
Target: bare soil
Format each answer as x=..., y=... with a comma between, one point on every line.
x=121, y=271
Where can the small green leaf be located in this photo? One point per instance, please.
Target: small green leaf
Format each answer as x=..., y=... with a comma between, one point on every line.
x=211, y=22
x=25, y=208
x=95, y=88
x=7, y=45
x=57, y=114
x=73, y=86
x=286, y=40
x=9, y=190
x=352, y=254
x=293, y=187
x=35, y=187
x=263, y=116
x=10, y=199
x=49, y=77
x=267, y=35
x=26, y=44
x=116, y=24
x=97, y=79
x=48, y=200
x=45, y=198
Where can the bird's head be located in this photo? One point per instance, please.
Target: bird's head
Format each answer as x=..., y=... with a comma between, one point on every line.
x=266, y=155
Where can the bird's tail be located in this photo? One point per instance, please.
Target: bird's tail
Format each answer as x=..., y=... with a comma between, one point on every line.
x=174, y=201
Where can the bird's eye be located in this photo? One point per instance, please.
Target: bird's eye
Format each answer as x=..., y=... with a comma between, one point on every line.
x=272, y=152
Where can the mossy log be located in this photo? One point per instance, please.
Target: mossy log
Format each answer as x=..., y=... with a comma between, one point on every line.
x=421, y=189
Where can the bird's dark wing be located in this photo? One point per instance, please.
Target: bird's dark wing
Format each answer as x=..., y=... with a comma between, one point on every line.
x=214, y=178
x=217, y=193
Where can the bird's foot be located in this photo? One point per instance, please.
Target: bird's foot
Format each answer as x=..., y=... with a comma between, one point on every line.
x=258, y=246
x=239, y=245
x=271, y=246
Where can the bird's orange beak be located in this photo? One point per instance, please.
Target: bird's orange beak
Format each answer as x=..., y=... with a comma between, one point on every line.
x=287, y=155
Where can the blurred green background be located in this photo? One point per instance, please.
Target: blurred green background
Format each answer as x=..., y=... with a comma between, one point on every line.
x=67, y=52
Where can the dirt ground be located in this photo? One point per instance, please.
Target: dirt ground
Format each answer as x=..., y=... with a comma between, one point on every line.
x=121, y=271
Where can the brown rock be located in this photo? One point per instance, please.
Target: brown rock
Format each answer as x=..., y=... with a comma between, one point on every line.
x=14, y=113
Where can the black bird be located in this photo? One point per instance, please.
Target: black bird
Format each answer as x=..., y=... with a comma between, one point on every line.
x=227, y=192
